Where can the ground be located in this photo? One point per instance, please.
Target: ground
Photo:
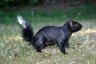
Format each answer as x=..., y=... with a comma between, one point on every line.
x=14, y=50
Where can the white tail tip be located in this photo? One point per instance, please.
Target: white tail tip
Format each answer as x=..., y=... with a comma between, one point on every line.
x=21, y=21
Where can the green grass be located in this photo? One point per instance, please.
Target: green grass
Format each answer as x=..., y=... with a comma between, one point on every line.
x=87, y=12
x=14, y=50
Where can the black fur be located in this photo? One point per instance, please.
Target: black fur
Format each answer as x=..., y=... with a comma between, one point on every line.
x=51, y=34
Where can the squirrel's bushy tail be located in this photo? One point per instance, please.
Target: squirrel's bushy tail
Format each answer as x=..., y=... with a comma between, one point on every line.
x=27, y=31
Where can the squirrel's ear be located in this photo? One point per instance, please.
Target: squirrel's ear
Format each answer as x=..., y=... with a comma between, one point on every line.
x=70, y=23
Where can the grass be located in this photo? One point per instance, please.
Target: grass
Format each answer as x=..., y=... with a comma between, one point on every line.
x=87, y=12
x=14, y=50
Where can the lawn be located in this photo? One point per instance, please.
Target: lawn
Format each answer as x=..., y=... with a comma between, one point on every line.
x=14, y=50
